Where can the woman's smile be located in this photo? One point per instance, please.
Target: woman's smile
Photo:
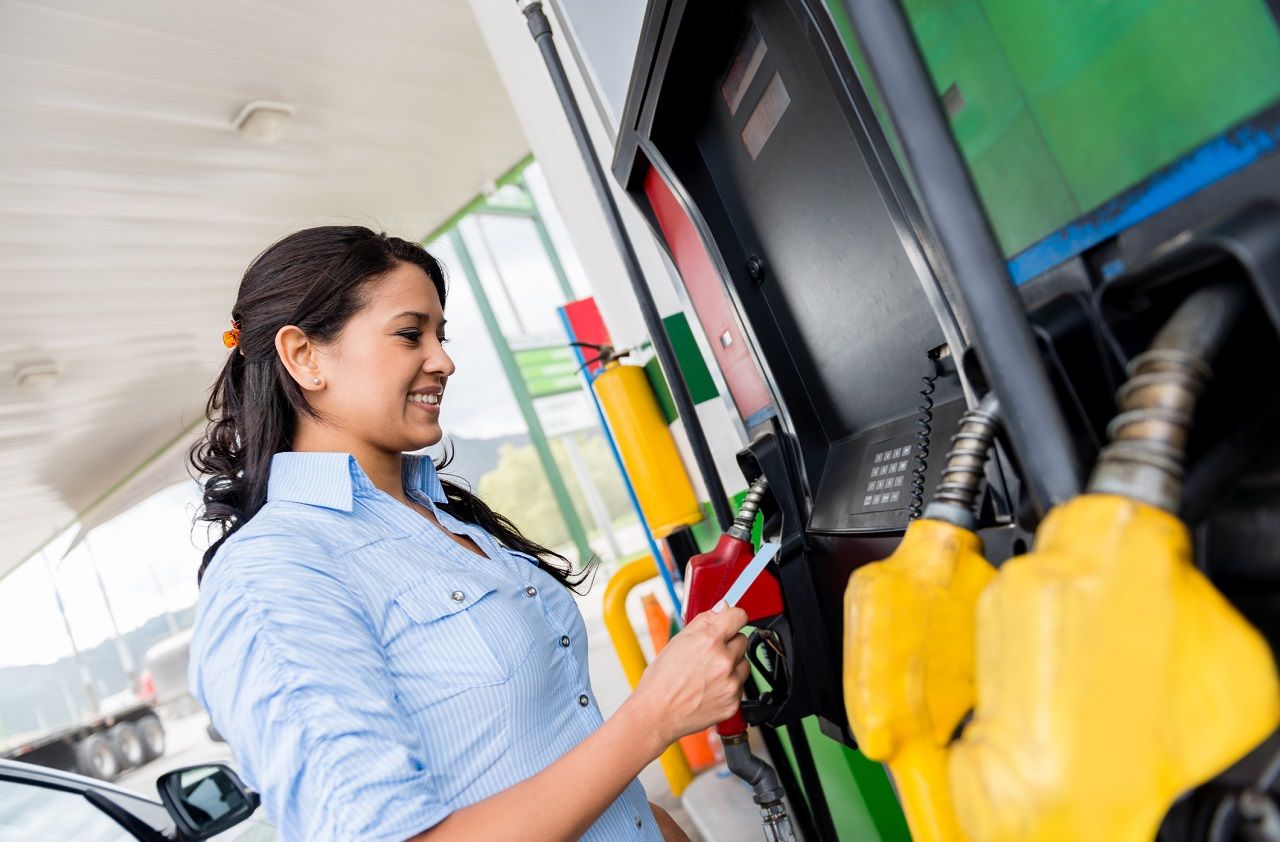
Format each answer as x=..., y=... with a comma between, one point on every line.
x=428, y=400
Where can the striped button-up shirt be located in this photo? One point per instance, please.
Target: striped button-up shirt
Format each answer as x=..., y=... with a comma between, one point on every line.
x=372, y=675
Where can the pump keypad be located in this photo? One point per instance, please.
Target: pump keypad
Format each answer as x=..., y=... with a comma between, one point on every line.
x=886, y=475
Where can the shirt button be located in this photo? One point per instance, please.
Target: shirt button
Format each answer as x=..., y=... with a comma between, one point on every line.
x=457, y=596
x=639, y=823
x=583, y=700
x=531, y=591
x=564, y=640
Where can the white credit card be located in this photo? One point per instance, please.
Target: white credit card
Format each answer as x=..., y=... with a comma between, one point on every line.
x=751, y=572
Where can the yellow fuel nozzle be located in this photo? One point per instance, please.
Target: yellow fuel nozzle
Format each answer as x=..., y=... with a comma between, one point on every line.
x=909, y=647
x=909, y=661
x=1111, y=675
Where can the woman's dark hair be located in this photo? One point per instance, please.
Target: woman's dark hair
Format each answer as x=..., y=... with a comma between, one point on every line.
x=314, y=279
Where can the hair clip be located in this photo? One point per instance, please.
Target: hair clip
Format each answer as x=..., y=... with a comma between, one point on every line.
x=231, y=338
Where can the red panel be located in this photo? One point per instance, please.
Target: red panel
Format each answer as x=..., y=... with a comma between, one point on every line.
x=707, y=294
x=587, y=325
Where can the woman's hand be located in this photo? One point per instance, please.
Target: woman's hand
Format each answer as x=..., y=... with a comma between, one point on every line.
x=696, y=681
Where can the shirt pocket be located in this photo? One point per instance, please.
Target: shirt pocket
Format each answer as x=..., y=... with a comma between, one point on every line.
x=454, y=631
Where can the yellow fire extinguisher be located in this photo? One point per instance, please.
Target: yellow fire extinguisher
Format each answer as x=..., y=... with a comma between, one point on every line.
x=644, y=441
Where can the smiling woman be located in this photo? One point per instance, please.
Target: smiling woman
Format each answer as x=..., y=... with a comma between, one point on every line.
x=273, y=394
x=386, y=655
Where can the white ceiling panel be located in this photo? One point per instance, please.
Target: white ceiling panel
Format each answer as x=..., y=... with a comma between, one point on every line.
x=129, y=207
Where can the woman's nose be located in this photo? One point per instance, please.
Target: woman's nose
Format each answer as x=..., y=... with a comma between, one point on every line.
x=439, y=362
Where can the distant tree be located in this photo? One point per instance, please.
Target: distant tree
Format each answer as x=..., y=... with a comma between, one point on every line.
x=518, y=488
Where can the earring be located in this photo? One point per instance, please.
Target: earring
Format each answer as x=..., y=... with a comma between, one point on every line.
x=315, y=380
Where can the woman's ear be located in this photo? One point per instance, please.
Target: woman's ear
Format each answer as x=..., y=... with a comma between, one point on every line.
x=300, y=356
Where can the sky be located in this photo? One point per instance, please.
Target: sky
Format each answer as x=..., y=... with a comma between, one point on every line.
x=148, y=556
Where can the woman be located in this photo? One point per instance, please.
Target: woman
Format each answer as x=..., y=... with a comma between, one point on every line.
x=387, y=656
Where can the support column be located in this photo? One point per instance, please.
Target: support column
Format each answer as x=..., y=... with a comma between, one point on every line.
x=86, y=677
x=521, y=392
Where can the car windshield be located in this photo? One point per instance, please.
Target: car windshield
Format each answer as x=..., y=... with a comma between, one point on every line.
x=29, y=811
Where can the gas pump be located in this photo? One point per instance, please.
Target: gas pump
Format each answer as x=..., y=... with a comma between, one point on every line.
x=981, y=237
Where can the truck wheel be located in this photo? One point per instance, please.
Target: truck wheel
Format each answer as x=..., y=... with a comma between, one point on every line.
x=127, y=744
x=95, y=758
x=151, y=733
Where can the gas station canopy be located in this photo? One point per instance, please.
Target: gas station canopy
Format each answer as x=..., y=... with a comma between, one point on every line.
x=132, y=205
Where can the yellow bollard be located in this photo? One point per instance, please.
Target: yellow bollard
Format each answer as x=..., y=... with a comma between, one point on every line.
x=909, y=663
x=674, y=765
x=1112, y=677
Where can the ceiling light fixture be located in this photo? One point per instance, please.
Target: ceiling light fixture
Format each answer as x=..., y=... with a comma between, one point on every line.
x=263, y=121
x=36, y=375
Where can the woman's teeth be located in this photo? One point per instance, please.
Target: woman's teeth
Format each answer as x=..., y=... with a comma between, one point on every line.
x=432, y=400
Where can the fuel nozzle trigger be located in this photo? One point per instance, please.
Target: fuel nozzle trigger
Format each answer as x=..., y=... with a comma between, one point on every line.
x=767, y=652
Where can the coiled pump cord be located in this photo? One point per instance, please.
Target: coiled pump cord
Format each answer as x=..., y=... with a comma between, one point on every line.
x=920, y=454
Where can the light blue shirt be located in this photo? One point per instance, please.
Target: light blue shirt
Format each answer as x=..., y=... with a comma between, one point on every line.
x=372, y=675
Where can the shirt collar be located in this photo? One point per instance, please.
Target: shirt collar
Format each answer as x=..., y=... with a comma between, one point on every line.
x=333, y=480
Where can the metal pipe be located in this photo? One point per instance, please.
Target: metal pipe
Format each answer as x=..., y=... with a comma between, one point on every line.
x=86, y=677
x=746, y=517
x=1003, y=339
x=540, y=29
x=798, y=797
x=1158, y=402
x=122, y=648
x=966, y=465
x=766, y=790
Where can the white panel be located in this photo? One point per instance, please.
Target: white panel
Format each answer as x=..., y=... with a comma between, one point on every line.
x=725, y=442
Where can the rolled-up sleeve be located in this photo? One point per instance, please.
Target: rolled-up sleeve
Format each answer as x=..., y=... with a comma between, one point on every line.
x=286, y=661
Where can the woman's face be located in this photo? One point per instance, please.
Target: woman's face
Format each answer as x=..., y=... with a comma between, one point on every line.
x=385, y=374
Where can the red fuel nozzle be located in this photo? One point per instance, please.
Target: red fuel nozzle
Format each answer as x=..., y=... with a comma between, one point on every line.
x=709, y=577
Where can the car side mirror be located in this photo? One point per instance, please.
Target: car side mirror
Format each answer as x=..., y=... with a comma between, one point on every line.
x=205, y=800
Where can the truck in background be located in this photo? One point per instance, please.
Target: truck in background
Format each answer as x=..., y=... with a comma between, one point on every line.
x=124, y=734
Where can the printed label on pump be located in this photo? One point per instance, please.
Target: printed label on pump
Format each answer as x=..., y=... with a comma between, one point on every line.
x=751, y=572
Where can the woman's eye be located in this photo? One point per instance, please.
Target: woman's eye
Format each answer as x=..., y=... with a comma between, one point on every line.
x=444, y=340
x=411, y=335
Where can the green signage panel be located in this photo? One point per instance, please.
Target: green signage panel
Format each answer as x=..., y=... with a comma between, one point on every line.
x=549, y=371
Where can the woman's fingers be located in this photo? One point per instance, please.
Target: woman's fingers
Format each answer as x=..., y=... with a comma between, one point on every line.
x=697, y=679
x=726, y=622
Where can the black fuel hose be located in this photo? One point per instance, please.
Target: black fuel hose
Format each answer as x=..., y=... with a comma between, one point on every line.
x=540, y=28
